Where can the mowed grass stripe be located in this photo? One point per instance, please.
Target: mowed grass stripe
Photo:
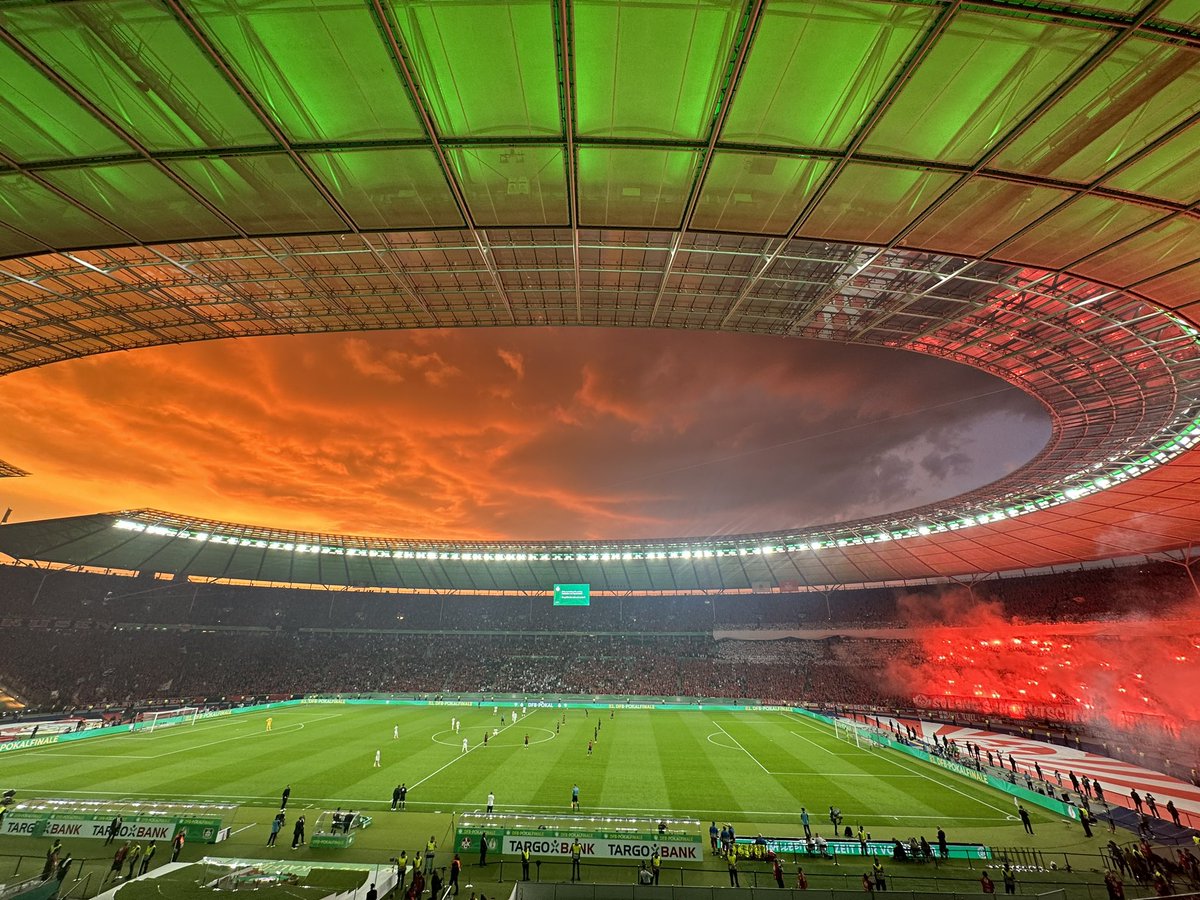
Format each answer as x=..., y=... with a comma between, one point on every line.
x=656, y=777
x=631, y=769
x=540, y=776
x=749, y=768
x=795, y=775
x=696, y=768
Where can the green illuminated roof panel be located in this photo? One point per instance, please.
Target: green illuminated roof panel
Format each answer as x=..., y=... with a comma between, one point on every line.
x=485, y=68
x=1171, y=171
x=13, y=244
x=756, y=192
x=981, y=214
x=139, y=65
x=817, y=68
x=512, y=185
x=1076, y=230
x=634, y=82
x=41, y=121
x=321, y=69
x=1187, y=11
x=1140, y=91
x=389, y=188
x=982, y=74
x=140, y=199
x=635, y=187
x=33, y=208
x=1144, y=255
x=260, y=193
x=874, y=202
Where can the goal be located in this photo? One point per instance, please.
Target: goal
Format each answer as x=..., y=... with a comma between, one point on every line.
x=164, y=718
x=848, y=732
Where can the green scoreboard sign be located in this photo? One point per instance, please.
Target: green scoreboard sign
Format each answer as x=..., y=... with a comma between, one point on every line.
x=572, y=595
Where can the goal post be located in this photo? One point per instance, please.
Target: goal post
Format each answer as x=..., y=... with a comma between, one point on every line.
x=847, y=732
x=163, y=718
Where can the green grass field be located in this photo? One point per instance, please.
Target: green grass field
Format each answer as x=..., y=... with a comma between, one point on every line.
x=754, y=769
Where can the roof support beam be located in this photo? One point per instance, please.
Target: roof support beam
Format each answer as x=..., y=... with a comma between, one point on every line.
x=384, y=19
x=724, y=100
x=926, y=44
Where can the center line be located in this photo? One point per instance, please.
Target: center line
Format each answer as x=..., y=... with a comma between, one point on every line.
x=468, y=753
x=740, y=747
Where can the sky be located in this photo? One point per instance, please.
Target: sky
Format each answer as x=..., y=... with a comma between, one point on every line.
x=519, y=434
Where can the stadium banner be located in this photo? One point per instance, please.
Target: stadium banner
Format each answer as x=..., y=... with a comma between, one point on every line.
x=327, y=840
x=1020, y=793
x=25, y=743
x=543, y=842
x=199, y=829
x=196, y=829
x=958, y=768
x=797, y=846
x=87, y=827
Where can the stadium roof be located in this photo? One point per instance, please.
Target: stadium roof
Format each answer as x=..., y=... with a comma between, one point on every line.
x=1011, y=185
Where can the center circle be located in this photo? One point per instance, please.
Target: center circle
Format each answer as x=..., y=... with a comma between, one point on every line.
x=500, y=738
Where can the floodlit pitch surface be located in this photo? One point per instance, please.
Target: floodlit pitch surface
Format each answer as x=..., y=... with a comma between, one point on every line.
x=750, y=768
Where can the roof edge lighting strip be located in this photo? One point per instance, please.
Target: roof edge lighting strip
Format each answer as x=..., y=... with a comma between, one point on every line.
x=1074, y=487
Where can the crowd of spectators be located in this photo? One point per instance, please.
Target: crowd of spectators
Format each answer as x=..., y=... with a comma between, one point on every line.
x=69, y=667
x=79, y=639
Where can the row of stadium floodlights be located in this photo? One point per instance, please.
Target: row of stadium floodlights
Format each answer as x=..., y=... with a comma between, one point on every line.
x=1184, y=441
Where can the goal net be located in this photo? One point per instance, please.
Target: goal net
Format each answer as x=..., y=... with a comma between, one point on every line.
x=164, y=718
x=848, y=732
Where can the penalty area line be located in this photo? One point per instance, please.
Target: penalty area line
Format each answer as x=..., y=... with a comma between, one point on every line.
x=295, y=726
x=825, y=749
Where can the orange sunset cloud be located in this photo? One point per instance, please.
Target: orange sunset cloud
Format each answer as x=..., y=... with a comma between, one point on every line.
x=509, y=433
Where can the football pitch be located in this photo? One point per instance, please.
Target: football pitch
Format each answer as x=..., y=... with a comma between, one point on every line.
x=754, y=769
x=742, y=767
